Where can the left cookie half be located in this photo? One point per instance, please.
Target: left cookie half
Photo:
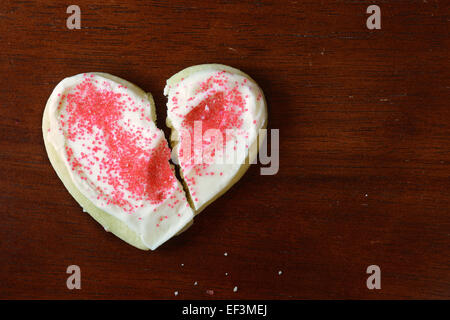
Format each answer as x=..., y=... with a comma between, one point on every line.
x=101, y=138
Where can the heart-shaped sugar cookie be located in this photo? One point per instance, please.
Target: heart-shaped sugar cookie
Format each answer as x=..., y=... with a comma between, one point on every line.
x=101, y=138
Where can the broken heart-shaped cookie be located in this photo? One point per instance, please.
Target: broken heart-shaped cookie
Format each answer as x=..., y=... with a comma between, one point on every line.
x=101, y=138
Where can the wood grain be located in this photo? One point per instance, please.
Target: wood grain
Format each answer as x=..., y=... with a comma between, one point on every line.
x=364, y=150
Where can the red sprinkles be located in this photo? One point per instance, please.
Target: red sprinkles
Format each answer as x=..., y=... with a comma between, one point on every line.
x=221, y=109
x=131, y=170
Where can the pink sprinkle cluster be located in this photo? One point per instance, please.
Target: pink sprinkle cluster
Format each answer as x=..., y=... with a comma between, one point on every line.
x=222, y=109
x=119, y=149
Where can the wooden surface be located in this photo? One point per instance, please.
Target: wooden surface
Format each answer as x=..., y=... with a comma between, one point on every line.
x=364, y=150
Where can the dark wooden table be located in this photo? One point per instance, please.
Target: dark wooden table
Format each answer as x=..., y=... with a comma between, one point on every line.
x=364, y=123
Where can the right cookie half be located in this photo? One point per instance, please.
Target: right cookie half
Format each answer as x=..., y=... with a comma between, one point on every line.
x=215, y=113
